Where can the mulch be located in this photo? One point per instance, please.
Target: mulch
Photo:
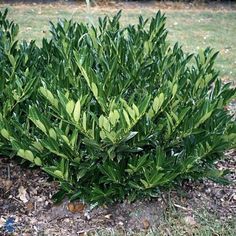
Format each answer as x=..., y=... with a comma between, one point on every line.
x=26, y=207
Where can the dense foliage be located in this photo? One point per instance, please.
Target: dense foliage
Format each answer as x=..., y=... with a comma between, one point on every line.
x=112, y=112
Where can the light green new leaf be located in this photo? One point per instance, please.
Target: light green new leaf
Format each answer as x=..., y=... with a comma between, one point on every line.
x=174, y=89
x=70, y=107
x=26, y=154
x=126, y=117
x=40, y=125
x=158, y=101
x=38, y=161
x=94, y=89
x=5, y=134
x=77, y=109
x=84, y=121
x=52, y=133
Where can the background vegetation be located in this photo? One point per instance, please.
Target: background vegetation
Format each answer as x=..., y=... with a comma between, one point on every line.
x=194, y=29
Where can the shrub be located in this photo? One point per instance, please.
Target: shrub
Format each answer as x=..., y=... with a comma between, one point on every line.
x=112, y=112
x=17, y=78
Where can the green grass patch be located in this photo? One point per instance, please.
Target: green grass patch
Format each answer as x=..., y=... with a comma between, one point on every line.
x=174, y=223
x=194, y=29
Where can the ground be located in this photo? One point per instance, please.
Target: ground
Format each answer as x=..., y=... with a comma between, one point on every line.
x=199, y=208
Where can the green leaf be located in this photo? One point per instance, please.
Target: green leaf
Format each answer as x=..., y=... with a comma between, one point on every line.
x=94, y=89
x=204, y=118
x=136, y=110
x=84, y=121
x=12, y=60
x=38, y=161
x=130, y=136
x=126, y=117
x=70, y=107
x=52, y=133
x=158, y=101
x=40, y=125
x=77, y=110
x=26, y=154
x=114, y=117
x=49, y=96
x=106, y=124
x=201, y=56
x=58, y=174
x=5, y=134
x=174, y=89
x=65, y=139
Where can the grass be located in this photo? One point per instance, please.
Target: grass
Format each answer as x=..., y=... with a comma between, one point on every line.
x=173, y=224
x=194, y=29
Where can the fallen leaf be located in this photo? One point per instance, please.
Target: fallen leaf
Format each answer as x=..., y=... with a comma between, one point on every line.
x=29, y=206
x=8, y=184
x=146, y=224
x=22, y=194
x=71, y=207
x=75, y=207
x=2, y=222
x=108, y=216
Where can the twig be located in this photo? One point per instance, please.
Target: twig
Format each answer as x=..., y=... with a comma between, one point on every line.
x=164, y=200
x=181, y=207
x=8, y=172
